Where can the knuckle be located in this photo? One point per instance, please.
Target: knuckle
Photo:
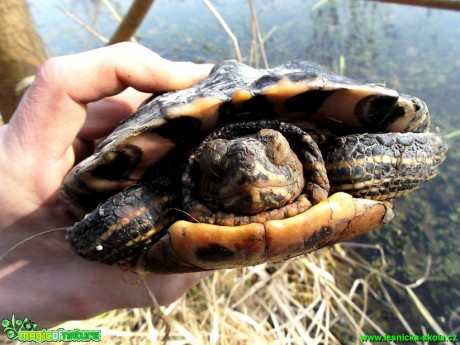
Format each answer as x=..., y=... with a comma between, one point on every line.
x=48, y=72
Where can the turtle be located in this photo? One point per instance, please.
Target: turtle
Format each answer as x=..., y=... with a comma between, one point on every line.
x=249, y=166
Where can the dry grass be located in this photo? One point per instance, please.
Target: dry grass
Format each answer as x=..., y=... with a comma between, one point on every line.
x=322, y=298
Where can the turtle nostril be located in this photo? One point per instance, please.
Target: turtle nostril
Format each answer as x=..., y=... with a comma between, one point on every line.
x=276, y=146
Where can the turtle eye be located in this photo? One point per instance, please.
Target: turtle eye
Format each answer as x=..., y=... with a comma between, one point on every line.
x=276, y=146
x=211, y=157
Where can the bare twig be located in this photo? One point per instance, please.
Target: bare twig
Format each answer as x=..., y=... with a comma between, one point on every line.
x=253, y=53
x=131, y=21
x=225, y=27
x=157, y=312
x=426, y=314
x=83, y=25
x=112, y=10
x=257, y=32
x=452, y=134
x=441, y=4
x=270, y=33
x=115, y=15
x=318, y=4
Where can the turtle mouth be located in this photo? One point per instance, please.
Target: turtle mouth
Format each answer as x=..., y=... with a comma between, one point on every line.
x=253, y=199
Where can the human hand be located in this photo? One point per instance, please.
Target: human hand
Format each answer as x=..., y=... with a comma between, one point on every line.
x=65, y=111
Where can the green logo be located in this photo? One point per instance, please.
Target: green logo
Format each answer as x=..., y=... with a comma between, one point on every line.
x=14, y=326
x=26, y=330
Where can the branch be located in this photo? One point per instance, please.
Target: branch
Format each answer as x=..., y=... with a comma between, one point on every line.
x=226, y=28
x=440, y=4
x=131, y=21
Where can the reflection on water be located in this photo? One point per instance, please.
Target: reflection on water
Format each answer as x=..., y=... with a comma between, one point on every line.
x=414, y=50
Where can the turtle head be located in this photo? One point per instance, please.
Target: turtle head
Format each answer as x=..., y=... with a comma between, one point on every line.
x=250, y=174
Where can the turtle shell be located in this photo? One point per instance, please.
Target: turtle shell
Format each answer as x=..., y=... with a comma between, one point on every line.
x=146, y=144
x=234, y=92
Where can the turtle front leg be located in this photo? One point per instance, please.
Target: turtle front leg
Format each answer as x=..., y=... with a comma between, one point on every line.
x=119, y=230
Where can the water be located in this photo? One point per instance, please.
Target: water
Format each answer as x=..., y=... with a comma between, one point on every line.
x=411, y=49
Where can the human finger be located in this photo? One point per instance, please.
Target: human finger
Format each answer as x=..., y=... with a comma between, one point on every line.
x=102, y=118
x=104, y=115
x=54, y=108
x=173, y=286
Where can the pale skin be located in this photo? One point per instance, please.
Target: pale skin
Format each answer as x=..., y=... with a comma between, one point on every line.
x=74, y=101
